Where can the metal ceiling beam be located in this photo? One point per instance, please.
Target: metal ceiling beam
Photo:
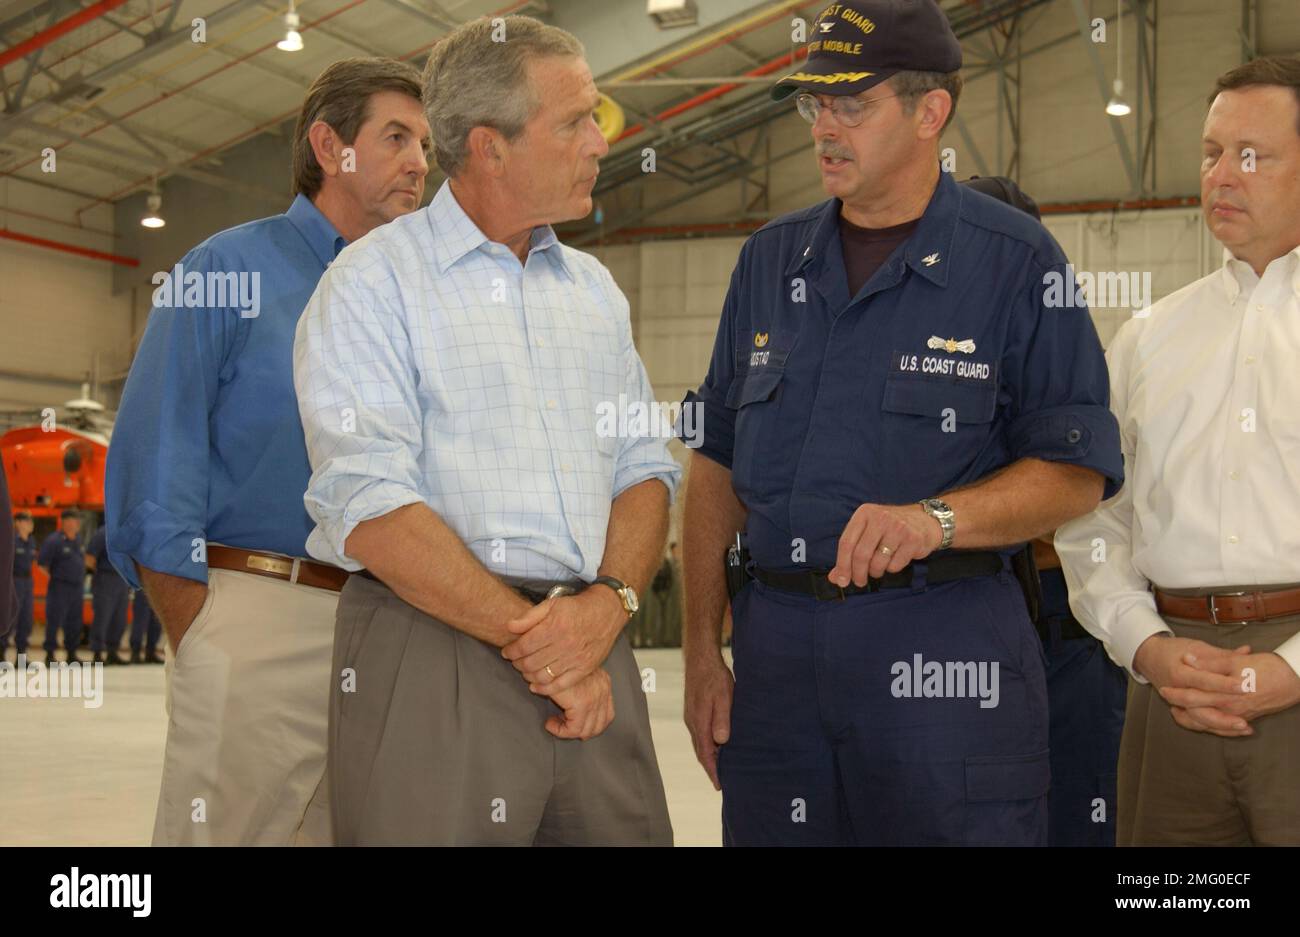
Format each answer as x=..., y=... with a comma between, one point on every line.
x=437, y=17
x=1145, y=15
x=286, y=75
x=33, y=64
x=56, y=30
x=9, y=123
x=756, y=110
x=1103, y=86
x=690, y=194
x=26, y=17
x=337, y=35
x=981, y=166
x=156, y=166
x=66, y=190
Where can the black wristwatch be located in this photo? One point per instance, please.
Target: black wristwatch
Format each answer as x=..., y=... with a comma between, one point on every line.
x=626, y=594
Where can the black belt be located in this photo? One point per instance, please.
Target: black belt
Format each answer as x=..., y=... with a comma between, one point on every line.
x=947, y=568
x=22, y=575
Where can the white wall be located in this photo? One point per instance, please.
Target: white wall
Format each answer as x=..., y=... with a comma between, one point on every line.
x=57, y=310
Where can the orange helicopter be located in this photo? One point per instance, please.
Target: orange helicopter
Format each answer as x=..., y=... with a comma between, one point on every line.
x=53, y=463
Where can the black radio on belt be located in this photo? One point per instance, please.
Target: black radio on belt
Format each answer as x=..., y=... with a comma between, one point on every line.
x=737, y=567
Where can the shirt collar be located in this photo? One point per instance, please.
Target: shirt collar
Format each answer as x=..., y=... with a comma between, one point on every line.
x=455, y=235
x=315, y=229
x=1238, y=276
x=932, y=238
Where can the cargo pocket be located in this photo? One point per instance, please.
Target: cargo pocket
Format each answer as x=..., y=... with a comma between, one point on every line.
x=1006, y=799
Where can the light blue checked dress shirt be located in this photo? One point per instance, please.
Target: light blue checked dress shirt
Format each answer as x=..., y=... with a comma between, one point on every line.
x=431, y=366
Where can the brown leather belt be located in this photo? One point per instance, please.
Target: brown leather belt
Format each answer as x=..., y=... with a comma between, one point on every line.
x=1230, y=608
x=290, y=569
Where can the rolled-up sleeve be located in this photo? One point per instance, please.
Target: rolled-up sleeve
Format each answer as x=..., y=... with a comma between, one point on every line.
x=1057, y=378
x=706, y=424
x=356, y=386
x=1108, y=594
x=157, y=472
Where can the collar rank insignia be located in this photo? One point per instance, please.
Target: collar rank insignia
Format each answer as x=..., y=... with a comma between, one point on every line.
x=760, y=339
x=966, y=346
x=931, y=259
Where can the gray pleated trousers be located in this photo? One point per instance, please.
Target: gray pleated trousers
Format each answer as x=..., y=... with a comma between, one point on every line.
x=435, y=739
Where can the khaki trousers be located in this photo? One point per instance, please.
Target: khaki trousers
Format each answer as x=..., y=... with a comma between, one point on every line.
x=1181, y=788
x=248, y=708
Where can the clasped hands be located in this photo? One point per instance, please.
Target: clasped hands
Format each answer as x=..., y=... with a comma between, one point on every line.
x=560, y=647
x=1213, y=689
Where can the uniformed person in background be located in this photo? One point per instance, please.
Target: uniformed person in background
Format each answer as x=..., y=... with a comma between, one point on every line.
x=145, y=631
x=109, y=595
x=8, y=543
x=891, y=413
x=24, y=557
x=62, y=559
x=1085, y=690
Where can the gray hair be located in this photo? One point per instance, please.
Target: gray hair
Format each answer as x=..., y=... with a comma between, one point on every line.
x=473, y=79
x=912, y=86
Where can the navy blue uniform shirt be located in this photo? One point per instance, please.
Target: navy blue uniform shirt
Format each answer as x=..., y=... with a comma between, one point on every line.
x=62, y=556
x=24, y=556
x=945, y=367
x=98, y=548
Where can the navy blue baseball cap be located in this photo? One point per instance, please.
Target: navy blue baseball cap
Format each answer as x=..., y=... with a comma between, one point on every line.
x=855, y=46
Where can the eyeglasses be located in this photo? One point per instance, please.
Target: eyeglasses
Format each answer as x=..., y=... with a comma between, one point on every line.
x=849, y=111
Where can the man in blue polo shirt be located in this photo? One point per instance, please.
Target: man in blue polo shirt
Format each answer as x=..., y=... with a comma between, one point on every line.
x=890, y=413
x=208, y=467
x=62, y=559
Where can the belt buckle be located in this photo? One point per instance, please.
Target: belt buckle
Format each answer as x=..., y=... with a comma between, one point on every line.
x=1214, y=612
x=822, y=589
x=270, y=564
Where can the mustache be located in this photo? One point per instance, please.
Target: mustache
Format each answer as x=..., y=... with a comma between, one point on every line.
x=833, y=150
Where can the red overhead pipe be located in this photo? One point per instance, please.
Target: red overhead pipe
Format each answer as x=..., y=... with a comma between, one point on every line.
x=107, y=36
x=63, y=26
x=69, y=248
x=765, y=69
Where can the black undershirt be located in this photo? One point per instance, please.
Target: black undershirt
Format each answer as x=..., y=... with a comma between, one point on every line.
x=866, y=249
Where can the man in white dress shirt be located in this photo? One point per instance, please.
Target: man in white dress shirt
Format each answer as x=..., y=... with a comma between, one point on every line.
x=450, y=373
x=1191, y=574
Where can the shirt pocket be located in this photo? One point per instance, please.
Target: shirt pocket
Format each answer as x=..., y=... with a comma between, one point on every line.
x=755, y=395
x=957, y=402
x=932, y=432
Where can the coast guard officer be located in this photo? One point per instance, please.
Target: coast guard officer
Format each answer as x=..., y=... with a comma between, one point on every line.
x=61, y=558
x=24, y=557
x=891, y=413
x=109, y=595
